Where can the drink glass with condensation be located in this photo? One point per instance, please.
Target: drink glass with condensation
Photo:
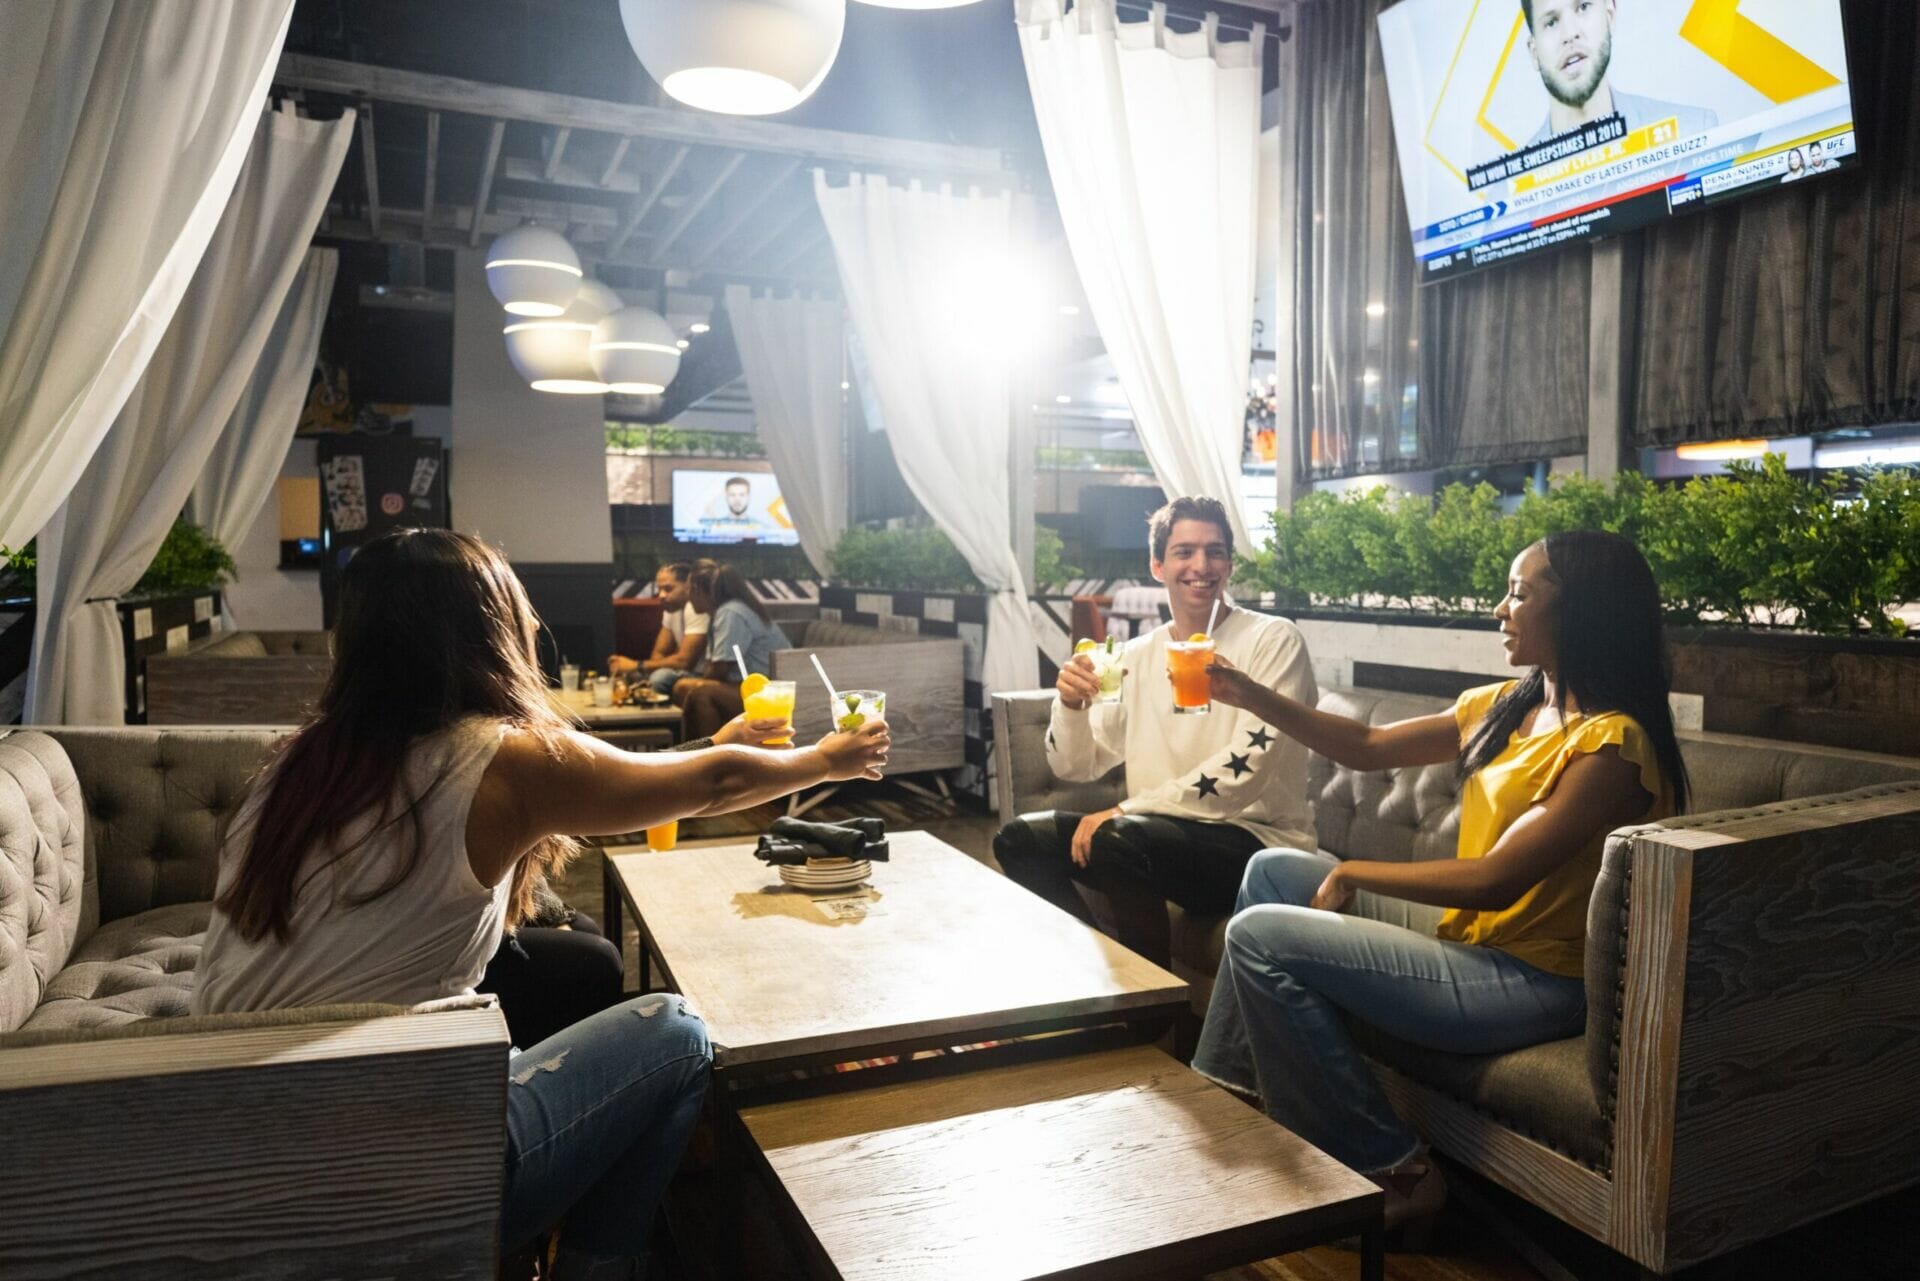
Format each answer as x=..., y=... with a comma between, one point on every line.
x=855, y=707
x=1187, y=663
x=773, y=701
x=1107, y=668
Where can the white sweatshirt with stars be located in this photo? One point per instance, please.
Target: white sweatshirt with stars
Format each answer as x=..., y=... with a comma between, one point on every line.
x=1224, y=767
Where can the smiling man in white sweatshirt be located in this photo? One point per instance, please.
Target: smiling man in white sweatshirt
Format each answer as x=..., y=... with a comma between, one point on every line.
x=1203, y=792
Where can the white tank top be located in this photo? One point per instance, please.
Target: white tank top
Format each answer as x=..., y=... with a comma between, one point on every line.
x=429, y=937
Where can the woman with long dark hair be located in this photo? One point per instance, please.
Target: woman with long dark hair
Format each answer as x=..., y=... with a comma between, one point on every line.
x=384, y=851
x=1550, y=763
x=740, y=625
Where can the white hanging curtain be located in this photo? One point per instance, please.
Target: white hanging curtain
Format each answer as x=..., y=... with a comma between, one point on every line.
x=103, y=537
x=792, y=351
x=245, y=464
x=1152, y=140
x=123, y=124
x=926, y=275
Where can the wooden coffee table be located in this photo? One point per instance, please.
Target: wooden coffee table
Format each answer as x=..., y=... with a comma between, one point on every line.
x=940, y=950
x=1118, y=1165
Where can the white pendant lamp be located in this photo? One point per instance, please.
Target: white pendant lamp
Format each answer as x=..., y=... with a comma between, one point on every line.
x=533, y=271
x=551, y=352
x=741, y=57
x=634, y=352
x=916, y=4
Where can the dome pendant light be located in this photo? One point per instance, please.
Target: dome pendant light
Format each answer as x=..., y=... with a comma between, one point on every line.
x=533, y=271
x=741, y=57
x=551, y=352
x=917, y=4
x=635, y=352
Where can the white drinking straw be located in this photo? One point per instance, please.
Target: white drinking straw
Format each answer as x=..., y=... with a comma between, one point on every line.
x=740, y=662
x=831, y=695
x=1213, y=614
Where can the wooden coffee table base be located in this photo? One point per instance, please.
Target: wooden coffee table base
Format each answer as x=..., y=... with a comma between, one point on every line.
x=1123, y=1164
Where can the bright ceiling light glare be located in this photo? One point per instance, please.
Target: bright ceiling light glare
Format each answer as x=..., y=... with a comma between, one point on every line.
x=682, y=344
x=1068, y=309
x=737, y=57
x=551, y=352
x=1063, y=400
x=1375, y=310
x=1719, y=451
x=846, y=386
x=633, y=352
x=699, y=327
x=533, y=271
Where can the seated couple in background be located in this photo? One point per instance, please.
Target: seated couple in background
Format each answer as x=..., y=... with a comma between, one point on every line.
x=720, y=618
x=1479, y=954
x=398, y=836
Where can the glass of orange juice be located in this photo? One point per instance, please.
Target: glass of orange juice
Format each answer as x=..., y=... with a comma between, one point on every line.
x=1187, y=662
x=663, y=836
x=767, y=700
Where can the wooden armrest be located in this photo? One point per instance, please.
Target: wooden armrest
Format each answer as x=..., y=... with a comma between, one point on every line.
x=363, y=1147
x=1768, y=1043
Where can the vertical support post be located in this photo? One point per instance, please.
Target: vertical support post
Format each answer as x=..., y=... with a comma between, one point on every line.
x=1610, y=353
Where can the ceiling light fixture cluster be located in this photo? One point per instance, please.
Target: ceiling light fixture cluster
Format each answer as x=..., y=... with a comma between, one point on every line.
x=571, y=335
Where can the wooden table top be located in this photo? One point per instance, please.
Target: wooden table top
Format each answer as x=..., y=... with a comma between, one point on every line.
x=579, y=707
x=1124, y=1164
x=937, y=950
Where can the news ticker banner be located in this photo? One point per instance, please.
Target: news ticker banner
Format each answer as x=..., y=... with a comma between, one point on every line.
x=1708, y=100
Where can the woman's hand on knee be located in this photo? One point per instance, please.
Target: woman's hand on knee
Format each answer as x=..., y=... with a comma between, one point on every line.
x=1082, y=847
x=1334, y=893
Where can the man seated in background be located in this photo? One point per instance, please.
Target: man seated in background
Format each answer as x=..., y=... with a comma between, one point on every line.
x=682, y=640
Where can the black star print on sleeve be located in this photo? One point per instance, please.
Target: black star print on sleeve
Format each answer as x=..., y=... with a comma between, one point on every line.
x=1238, y=764
x=1207, y=786
x=1260, y=738
x=1052, y=746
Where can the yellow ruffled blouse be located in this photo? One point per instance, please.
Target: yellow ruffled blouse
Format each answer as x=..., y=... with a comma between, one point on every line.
x=1546, y=926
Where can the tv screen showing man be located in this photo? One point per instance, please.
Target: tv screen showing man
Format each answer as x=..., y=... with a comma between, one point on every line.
x=715, y=507
x=1572, y=46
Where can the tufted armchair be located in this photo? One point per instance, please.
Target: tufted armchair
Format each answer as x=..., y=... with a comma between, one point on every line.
x=350, y=1140
x=1752, y=973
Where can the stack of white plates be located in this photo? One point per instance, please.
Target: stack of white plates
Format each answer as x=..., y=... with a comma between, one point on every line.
x=826, y=873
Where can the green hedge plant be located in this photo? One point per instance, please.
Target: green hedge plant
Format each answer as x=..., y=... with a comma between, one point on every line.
x=924, y=559
x=1756, y=546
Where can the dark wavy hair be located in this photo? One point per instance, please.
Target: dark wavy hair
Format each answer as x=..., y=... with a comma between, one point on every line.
x=433, y=626
x=722, y=583
x=1612, y=652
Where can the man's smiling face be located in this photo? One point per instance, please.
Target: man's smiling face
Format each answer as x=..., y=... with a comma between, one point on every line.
x=1197, y=564
x=1572, y=44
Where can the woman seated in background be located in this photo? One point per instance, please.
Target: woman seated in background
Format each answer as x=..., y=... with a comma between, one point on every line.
x=1551, y=763
x=381, y=854
x=739, y=623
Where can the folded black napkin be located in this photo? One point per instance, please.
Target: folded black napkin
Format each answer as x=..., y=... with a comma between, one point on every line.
x=792, y=841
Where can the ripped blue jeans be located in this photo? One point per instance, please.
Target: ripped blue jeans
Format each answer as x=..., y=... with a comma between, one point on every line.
x=598, y=1116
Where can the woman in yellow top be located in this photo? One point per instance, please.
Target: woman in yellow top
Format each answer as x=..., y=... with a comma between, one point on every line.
x=1550, y=763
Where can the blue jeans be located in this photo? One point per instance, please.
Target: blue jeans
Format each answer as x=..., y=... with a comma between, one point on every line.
x=662, y=679
x=1274, y=1029
x=598, y=1116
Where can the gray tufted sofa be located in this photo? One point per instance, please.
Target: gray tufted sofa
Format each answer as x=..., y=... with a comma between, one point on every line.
x=351, y=1140
x=1753, y=973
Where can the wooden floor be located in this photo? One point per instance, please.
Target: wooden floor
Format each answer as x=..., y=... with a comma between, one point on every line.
x=1512, y=1241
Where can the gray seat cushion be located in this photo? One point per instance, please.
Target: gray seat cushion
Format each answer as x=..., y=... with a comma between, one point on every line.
x=140, y=967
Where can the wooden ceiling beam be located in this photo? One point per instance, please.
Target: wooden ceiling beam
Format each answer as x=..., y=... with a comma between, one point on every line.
x=692, y=209
x=645, y=204
x=747, y=208
x=484, y=193
x=684, y=128
x=433, y=171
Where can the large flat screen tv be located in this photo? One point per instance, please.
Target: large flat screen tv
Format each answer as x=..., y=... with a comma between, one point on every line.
x=730, y=507
x=1524, y=124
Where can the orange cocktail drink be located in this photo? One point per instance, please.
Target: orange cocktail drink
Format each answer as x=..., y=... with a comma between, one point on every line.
x=1187, y=662
x=767, y=700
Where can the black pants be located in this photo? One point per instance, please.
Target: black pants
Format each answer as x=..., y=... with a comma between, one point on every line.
x=1197, y=865
x=548, y=980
